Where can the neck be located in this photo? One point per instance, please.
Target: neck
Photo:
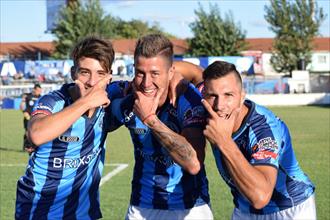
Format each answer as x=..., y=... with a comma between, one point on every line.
x=162, y=99
x=244, y=111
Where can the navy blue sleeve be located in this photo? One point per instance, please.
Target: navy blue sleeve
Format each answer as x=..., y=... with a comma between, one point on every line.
x=117, y=111
x=117, y=89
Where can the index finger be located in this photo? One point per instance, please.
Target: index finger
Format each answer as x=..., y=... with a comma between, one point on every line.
x=105, y=81
x=209, y=108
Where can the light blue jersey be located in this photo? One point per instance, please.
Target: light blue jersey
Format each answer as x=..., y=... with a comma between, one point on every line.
x=158, y=182
x=63, y=175
x=265, y=140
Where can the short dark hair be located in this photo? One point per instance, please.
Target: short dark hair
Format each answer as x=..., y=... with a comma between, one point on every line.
x=153, y=45
x=37, y=85
x=220, y=69
x=96, y=48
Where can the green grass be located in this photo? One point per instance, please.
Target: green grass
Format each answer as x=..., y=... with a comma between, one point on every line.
x=309, y=128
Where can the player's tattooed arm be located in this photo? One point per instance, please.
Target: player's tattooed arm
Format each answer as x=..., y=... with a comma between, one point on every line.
x=179, y=148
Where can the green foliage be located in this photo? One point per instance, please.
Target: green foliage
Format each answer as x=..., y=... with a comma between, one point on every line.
x=136, y=28
x=214, y=35
x=309, y=127
x=82, y=18
x=295, y=25
x=78, y=20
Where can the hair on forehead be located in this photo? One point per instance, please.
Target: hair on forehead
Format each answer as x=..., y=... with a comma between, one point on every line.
x=96, y=48
x=153, y=45
x=220, y=69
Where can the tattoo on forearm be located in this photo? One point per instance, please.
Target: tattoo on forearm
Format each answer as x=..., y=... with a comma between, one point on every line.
x=172, y=142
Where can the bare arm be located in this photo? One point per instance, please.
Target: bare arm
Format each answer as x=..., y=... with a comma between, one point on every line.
x=44, y=128
x=256, y=183
x=189, y=71
x=177, y=145
x=22, y=104
x=184, y=72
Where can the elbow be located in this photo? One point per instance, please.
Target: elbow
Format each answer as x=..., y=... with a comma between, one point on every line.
x=34, y=138
x=194, y=168
x=261, y=200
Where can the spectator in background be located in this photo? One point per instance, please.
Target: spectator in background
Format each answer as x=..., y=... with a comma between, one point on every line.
x=18, y=75
x=27, y=103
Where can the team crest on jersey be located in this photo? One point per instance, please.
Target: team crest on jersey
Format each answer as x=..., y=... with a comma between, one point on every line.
x=197, y=111
x=68, y=139
x=265, y=144
x=265, y=148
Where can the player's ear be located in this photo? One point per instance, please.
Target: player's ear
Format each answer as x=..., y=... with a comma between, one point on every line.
x=242, y=96
x=171, y=72
x=73, y=73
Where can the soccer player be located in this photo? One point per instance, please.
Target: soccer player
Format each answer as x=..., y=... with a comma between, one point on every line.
x=67, y=126
x=169, y=180
x=253, y=152
x=27, y=103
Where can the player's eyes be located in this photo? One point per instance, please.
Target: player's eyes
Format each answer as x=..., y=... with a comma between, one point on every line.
x=84, y=72
x=154, y=74
x=103, y=74
x=139, y=74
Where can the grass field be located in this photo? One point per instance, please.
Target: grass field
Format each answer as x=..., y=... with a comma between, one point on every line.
x=310, y=130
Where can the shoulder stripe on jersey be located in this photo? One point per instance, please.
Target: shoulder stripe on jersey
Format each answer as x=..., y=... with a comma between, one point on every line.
x=44, y=112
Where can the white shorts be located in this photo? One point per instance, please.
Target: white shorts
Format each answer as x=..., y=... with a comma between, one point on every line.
x=196, y=213
x=304, y=211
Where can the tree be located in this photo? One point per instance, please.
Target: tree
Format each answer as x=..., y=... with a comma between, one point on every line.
x=78, y=20
x=295, y=25
x=215, y=36
x=136, y=28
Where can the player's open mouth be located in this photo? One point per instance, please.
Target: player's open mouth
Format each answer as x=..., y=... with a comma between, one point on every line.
x=149, y=92
x=223, y=115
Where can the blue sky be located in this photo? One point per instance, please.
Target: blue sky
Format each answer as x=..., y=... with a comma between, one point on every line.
x=25, y=20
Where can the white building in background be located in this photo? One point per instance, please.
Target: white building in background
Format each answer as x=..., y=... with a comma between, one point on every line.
x=261, y=49
x=320, y=62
